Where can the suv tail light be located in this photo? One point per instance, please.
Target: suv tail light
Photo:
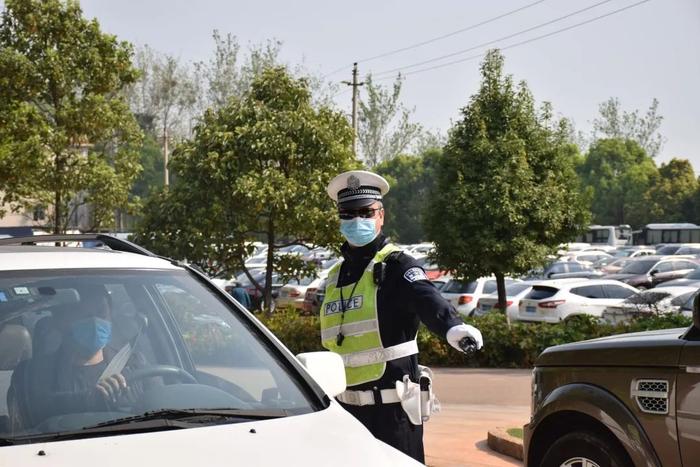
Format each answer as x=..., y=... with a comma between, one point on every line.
x=294, y=293
x=464, y=299
x=551, y=303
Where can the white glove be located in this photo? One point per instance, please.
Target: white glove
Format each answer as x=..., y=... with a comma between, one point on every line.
x=459, y=332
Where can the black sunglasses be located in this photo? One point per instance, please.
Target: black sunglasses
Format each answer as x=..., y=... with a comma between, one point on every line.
x=365, y=213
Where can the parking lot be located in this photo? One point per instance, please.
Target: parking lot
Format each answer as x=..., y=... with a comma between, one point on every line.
x=473, y=401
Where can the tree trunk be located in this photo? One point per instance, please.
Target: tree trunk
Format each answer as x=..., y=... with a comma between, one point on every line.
x=501, y=288
x=267, y=294
x=57, y=213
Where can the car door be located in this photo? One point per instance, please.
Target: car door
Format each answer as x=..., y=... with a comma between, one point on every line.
x=681, y=268
x=688, y=403
x=662, y=272
x=593, y=299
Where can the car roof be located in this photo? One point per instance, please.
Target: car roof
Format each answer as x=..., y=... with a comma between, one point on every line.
x=29, y=257
x=672, y=290
x=574, y=282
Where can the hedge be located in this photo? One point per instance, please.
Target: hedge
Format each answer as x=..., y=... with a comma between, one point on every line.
x=514, y=346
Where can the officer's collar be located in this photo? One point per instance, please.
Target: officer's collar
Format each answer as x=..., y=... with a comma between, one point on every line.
x=366, y=252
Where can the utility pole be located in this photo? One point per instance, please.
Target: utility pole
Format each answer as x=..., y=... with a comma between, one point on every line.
x=355, y=85
x=166, y=180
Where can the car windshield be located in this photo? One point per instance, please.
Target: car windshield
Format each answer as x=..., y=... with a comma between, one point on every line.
x=668, y=250
x=694, y=274
x=163, y=338
x=638, y=267
x=623, y=253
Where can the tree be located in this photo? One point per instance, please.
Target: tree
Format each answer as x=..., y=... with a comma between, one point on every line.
x=615, y=123
x=411, y=179
x=670, y=197
x=618, y=173
x=255, y=169
x=506, y=193
x=73, y=139
x=384, y=127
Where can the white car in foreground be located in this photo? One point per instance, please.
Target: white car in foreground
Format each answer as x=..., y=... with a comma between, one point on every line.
x=556, y=302
x=115, y=357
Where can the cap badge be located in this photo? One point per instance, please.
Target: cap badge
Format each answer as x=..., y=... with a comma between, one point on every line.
x=353, y=182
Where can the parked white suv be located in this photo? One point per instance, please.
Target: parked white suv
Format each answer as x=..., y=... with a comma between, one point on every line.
x=464, y=296
x=552, y=303
x=100, y=343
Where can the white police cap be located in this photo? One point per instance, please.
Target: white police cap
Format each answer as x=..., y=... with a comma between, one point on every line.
x=357, y=188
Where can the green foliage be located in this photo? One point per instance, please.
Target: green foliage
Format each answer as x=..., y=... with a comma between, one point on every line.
x=506, y=193
x=514, y=346
x=384, y=127
x=670, y=197
x=411, y=179
x=255, y=169
x=298, y=333
x=151, y=177
x=619, y=173
x=615, y=123
x=71, y=136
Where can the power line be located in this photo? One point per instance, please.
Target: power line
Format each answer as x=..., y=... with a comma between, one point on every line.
x=517, y=44
x=483, y=44
x=435, y=39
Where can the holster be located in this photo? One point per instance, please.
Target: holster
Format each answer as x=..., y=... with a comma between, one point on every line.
x=417, y=399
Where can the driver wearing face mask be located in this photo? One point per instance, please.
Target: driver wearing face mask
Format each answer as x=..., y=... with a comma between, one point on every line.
x=73, y=378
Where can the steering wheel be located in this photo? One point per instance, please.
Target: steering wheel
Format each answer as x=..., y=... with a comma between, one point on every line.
x=162, y=370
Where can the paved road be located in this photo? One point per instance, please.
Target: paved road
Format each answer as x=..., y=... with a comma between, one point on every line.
x=474, y=400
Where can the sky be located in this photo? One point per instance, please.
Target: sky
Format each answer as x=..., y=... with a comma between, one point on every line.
x=650, y=50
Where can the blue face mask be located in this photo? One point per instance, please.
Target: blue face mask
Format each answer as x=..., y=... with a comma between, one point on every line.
x=91, y=334
x=358, y=231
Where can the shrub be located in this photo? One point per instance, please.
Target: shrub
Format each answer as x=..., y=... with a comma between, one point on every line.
x=514, y=346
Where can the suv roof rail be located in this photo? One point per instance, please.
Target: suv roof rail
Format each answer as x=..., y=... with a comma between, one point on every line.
x=113, y=243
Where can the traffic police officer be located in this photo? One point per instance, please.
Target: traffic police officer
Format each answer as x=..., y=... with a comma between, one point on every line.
x=376, y=297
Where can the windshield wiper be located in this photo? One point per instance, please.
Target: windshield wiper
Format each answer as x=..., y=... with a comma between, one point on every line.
x=196, y=415
x=155, y=420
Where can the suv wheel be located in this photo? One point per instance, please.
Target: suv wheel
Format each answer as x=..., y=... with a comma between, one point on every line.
x=584, y=449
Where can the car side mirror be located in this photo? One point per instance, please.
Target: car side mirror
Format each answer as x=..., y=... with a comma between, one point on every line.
x=327, y=369
x=654, y=272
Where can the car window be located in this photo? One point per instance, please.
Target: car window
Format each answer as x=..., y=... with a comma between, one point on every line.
x=576, y=267
x=589, y=291
x=557, y=268
x=515, y=288
x=180, y=344
x=679, y=265
x=664, y=267
x=490, y=287
x=459, y=287
x=641, y=266
x=540, y=292
x=616, y=291
x=681, y=299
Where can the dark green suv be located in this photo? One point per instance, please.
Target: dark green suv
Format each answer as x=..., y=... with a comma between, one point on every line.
x=627, y=400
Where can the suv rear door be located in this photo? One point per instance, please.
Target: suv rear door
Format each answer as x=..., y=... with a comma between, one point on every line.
x=688, y=403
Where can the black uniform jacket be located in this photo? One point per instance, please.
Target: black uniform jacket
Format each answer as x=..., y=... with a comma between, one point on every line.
x=404, y=300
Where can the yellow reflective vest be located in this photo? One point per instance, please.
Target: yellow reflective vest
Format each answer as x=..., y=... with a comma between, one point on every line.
x=356, y=319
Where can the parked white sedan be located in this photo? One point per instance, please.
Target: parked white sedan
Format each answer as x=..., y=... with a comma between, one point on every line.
x=647, y=302
x=552, y=303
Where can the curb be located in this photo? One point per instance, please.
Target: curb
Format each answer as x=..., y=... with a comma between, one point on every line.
x=500, y=441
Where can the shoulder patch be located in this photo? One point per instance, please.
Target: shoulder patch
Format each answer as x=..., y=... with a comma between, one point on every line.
x=415, y=274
